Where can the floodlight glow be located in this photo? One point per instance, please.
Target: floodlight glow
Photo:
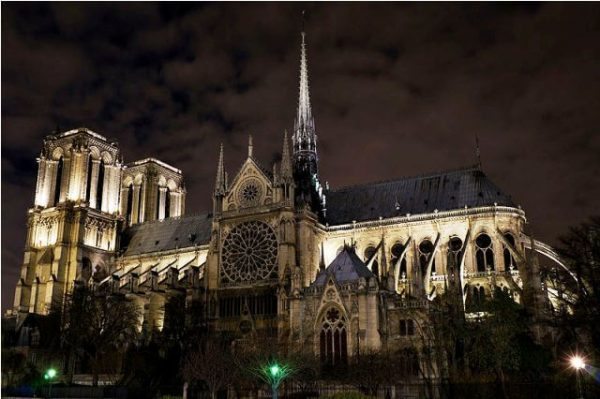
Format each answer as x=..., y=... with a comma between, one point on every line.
x=577, y=362
x=51, y=373
x=274, y=370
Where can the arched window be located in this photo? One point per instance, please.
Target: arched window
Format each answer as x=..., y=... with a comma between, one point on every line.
x=455, y=246
x=369, y=253
x=484, y=253
x=59, y=172
x=100, y=188
x=397, y=250
x=475, y=298
x=334, y=340
x=509, y=260
x=425, y=252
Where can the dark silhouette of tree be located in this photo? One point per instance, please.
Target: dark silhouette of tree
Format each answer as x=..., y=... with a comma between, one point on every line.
x=96, y=325
x=211, y=364
x=580, y=249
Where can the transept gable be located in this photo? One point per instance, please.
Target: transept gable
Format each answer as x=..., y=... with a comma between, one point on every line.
x=251, y=187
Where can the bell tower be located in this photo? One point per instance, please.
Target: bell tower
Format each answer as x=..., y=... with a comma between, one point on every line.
x=72, y=227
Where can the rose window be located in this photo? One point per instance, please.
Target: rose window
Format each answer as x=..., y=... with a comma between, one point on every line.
x=249, y=193
x=249, y=253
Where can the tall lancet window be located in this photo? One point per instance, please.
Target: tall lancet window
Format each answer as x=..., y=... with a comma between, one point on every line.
x=168, y=203
x=397, y=251
x=425, y=253
x=369, y=254
x=88, y=186
x=334, y=338
x=57, y=186
x=100, y=188
x=157, y=214
x=484, y=253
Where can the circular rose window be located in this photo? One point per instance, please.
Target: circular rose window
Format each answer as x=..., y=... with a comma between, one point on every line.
x=249, y=193
x=249, y=253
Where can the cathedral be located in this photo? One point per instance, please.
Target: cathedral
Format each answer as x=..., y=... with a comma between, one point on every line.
x=335, y=271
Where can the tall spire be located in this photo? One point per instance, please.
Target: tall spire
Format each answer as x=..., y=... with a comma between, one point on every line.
x=304, y=138
x=220, y=184
x=477, y=151
x=304, y=142
x=286, y=162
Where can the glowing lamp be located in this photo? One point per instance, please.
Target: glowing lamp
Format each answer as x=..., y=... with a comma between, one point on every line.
x=274, y=369
x=577, y=362
x=50, y=374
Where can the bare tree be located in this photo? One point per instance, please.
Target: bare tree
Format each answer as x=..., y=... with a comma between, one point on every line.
x=211, y=364
x=95, y=325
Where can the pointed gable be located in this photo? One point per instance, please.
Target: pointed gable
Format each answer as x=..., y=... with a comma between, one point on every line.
x=346, y=267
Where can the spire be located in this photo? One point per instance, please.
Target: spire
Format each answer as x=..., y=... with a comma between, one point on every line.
x=477, y=152
x=220, y=184
x=286, y=162
x=304, y=138
x=250, y=146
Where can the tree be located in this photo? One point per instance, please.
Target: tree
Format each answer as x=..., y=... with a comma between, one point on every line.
x=580, y=249
x=493, y=337
x=211, y=364
x=95, y=325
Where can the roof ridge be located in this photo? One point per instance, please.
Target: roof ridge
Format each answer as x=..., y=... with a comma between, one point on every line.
x=171, y=220
x=431, y=174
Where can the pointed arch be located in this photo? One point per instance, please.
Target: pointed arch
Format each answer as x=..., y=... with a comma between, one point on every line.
x=333, y=336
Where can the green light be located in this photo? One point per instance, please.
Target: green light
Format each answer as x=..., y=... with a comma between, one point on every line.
x=274, y=370
x=50, y=373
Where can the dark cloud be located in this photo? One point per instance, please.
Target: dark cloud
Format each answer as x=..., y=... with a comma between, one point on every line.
x=397, y=89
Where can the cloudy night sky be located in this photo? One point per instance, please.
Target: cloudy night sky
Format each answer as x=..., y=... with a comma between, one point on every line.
x=396, y=90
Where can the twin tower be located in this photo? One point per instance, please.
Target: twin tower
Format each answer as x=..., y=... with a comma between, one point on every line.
x=86, y=196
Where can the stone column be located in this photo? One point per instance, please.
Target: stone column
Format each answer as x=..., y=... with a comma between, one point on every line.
x=41, y=197
x=112, y=183
x=161, y=202
x=124, y=197
x=94, y=182
x=136, y=204
x=65, y=180
x=106, y=189
x=143, y=189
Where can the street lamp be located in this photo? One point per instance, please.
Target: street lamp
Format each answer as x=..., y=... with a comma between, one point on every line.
x=578, y=363
x=49, y=376
x=273, y=373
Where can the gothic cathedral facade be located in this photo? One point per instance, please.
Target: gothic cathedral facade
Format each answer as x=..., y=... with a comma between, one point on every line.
x=333, y=271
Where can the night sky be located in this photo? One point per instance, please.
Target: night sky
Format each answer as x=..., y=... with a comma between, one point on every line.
x=396, y=90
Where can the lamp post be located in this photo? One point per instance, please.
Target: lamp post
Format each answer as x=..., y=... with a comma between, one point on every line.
x=273, y=373
x=578, y=363
x=49, y=376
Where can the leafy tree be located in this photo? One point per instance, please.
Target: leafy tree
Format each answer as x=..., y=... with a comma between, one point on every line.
x=493, y=338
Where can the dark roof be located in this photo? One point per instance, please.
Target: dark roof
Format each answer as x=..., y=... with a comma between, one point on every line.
x=167, y=234
x=346, y=267
x=423, y=194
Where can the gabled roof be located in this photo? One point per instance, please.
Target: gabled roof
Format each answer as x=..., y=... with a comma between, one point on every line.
x=346, y=267
x=166, y=235
x=415, y=195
